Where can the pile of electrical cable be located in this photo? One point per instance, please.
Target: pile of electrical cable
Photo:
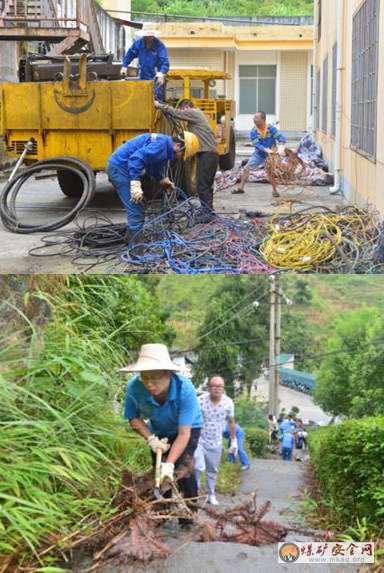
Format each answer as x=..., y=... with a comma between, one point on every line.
x=8, y=212
x=318, y=239
x=170, y=242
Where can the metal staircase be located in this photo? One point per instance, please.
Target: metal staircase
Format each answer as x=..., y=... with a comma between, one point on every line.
x=67, y=25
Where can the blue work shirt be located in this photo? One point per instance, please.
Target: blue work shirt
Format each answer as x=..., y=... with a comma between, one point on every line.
x=287, y=440
x=180, y=409
x=287, y=425
x=151, y=60
x=149, y=152
x=273, y=136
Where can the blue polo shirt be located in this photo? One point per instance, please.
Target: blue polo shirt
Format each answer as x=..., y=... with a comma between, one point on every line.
x=180, y=409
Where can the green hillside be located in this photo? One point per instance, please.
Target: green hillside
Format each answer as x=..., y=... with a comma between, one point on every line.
x=225, y=7
x=185, y=299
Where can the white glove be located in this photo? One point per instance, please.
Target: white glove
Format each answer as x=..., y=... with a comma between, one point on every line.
x=233, y=448
x=166, y=182
x=281, y=150
x=268, y=150
x=166, y=471
x=123, y=71
x=156, y=444
x=136, y=192
x=159, y=77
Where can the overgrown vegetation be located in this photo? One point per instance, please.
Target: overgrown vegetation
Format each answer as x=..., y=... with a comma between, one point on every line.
x=225, y=8
x=63, y=442
x=348, y=464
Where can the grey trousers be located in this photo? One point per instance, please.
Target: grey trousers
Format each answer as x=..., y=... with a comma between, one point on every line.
x=207, y=459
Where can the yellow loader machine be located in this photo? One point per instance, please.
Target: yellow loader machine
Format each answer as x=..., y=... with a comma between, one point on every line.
x=80, y=108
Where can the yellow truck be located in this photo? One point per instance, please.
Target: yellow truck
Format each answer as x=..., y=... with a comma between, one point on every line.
x=80, y=115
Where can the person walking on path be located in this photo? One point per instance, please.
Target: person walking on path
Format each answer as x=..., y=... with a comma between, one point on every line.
x=169, y=401
x=207, y=157
x=216, y=409
x=242, y=454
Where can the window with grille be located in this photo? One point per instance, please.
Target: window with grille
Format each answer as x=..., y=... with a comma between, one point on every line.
x=365, y=45
x=317, y=124
x=324, y=114
x=257, y=89
x=334, y=86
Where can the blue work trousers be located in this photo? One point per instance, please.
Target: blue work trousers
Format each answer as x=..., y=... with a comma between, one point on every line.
x=287, y=454
x=240, y=451
x=121, y=180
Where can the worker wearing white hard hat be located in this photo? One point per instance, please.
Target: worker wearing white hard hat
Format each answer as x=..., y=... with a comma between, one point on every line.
x=153, y=58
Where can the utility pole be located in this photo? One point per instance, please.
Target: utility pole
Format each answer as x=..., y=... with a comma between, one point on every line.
x=272, y=352
x=277, y=347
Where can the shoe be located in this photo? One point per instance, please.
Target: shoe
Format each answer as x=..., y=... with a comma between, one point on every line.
x=204, y=217
x=244, y=468
x=211, y=498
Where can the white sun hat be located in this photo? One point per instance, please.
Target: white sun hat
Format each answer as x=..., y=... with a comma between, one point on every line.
x=148, y=29
x=152, y=357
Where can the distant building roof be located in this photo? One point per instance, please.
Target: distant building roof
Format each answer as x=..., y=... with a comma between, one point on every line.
x=284, y=358
x=296, y=377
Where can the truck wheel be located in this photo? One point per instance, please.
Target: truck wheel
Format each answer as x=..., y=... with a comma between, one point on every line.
x=70, y=184
x=227, y=161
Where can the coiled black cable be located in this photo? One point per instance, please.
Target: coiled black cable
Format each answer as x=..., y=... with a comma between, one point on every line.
x=9, y=194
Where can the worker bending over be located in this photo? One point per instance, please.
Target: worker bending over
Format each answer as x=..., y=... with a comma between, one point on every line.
x=169, y=401
x=153, y=59
x=148, y=154
x=207, y=157
x=264, y=137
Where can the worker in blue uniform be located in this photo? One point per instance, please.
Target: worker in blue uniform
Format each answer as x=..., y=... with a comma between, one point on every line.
x=243, y=457
x=153, y=59
x=147, y=154
x=264, y=138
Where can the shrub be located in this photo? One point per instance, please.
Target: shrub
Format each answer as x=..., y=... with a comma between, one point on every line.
x=348, y=463
x=257, y=440
x=249, y=413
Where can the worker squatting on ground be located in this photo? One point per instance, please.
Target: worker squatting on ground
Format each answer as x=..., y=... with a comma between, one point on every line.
x=217, y=409
x=170, y=403
x=264, y=137
x=153, y=59
x=241, y=453
x=207, y=157
x=148, y=154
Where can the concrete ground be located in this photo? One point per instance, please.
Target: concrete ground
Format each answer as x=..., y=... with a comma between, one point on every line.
x=42, y=200
x=277, y=481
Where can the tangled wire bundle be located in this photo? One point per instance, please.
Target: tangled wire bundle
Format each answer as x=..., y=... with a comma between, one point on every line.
x=169, y=243
x=284, y=170
x=348, y=240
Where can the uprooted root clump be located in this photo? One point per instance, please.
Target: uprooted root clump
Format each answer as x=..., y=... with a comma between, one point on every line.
x=133, y=532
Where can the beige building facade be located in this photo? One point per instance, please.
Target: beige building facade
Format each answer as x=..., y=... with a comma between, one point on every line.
x=270, y=67
x=349, y=124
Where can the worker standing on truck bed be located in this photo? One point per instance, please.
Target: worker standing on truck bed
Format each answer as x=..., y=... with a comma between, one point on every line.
x=263, y=137
x=153, y=59
x=207, y=157
x=147, y=154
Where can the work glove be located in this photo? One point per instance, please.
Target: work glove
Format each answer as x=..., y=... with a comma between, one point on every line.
x=157, y=104
x=123, y=71
x=166, y=182
x=156, y=444
x=268, y=150
x=281, y=150
x=166, y=471
x=136, y=192
x=159, y=77
x=233, y=447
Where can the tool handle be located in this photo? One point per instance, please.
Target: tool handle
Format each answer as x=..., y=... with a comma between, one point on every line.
x=159, y=453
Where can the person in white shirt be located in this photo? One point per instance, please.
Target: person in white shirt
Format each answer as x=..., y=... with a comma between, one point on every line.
x=217, y=409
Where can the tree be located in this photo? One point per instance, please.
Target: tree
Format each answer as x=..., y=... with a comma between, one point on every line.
x=351, y=378
x=303, y=293
x=233, y=339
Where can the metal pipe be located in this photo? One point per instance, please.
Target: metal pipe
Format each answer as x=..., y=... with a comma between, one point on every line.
x=27, y=147
x=339, y=100
x=315, y=111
